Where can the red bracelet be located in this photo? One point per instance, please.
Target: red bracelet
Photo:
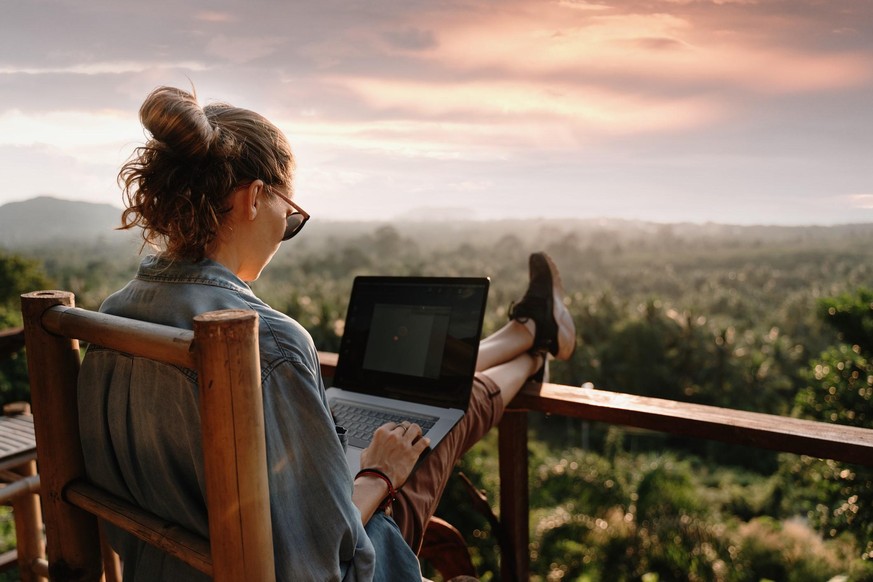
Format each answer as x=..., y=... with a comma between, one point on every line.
x=392, y=492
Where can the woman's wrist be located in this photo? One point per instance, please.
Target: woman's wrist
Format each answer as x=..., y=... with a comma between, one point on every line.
x=379, y=478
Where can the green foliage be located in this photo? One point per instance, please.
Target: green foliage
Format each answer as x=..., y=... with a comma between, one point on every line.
x=7, y=542
x=13, y=379
x=787, y=550
x=836, y=496
x=584, y=477
x=18, y=275
x=725, y=316
x=841, y=388
x=852, y=316
x=671, y=521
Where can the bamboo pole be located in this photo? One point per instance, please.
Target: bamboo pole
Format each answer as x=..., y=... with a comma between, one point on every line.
x=234, y=446
x=159, y=532
x=149, y=340
x=28, y=522
x=72, y=541
x=111, y=561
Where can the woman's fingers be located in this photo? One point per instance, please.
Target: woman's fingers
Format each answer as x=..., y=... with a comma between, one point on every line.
x=405, y=428
x=395, y=449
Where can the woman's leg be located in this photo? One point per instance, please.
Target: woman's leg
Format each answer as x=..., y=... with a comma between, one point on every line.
x=506, y=360
x=511, y=340
x=512, y=375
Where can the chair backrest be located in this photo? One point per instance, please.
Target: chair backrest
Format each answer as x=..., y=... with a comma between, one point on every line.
x=223, y=349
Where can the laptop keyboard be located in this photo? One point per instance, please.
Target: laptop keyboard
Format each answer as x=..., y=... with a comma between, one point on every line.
x=361, y=421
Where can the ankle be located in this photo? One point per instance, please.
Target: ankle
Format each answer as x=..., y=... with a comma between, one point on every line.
x=530, y=326
x=539, y=360
x=539, y=366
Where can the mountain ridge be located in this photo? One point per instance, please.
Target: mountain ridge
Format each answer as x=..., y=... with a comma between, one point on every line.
x=47, y=219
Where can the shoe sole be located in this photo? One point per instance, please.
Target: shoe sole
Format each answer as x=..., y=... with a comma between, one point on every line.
x=563, y=319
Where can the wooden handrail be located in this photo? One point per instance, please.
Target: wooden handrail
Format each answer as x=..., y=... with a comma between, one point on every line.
x=850, y=444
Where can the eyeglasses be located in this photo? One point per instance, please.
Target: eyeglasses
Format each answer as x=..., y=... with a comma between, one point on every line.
x=295, y=221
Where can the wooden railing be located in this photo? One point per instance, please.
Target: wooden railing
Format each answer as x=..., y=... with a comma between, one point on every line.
x=792, y=435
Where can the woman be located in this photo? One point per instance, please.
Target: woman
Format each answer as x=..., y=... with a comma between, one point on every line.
x=212, y=189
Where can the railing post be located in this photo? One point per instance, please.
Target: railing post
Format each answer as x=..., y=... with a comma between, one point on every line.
x=234, y=451
x=514, y=496
x=72, y=542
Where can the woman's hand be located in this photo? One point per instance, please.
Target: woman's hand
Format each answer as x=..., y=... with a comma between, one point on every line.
x=394, y=450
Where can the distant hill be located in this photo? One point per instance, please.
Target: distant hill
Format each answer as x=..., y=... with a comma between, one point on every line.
x=45, y=219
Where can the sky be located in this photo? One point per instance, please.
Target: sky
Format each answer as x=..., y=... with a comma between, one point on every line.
x=728, y=111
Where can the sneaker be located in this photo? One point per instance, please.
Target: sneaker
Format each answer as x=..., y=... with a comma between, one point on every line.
x=544, y=303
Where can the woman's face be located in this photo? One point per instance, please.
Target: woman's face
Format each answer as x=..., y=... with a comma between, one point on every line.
x=266, y=231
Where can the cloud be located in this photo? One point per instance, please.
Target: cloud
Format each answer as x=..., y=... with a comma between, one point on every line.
x=243, y=49
x=583, y=5
x=550, y=40
x=399, y=138
x=498, y=101
x=86, y=136
x=215, y=16
x=860, y=200
x=41, y=169
x=103, y=68
x=414, y=39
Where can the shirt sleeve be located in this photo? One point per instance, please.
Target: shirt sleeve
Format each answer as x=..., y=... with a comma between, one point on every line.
x=317, y=530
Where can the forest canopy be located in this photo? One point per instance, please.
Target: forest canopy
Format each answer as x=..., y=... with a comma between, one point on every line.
x=772, y=319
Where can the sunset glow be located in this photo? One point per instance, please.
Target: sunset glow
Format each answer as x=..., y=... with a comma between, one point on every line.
x=673, y=110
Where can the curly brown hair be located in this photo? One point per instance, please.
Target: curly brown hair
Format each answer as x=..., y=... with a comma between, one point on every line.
x=176, y=186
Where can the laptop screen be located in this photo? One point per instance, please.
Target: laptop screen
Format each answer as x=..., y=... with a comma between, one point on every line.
x=413, y=338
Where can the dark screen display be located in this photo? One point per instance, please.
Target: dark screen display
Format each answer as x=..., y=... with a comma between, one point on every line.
x=414, y=338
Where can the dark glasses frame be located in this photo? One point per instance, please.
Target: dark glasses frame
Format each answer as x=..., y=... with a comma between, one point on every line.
x=295, y=221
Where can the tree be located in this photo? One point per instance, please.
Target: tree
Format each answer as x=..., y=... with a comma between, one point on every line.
x=836, y=495
x=17, y=276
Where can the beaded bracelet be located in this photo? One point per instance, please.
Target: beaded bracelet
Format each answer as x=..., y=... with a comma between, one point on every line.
x=392, y=492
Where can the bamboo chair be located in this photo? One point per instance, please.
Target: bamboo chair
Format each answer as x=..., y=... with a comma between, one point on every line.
x=223, y=348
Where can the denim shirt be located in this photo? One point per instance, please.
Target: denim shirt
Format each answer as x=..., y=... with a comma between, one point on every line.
x=140, y=431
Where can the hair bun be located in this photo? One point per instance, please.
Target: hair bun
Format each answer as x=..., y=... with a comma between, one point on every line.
x=175, y=119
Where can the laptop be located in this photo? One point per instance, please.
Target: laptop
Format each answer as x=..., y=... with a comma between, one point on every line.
x=408, y=352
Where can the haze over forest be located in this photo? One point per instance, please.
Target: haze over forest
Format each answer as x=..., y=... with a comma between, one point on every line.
x=47, y=219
